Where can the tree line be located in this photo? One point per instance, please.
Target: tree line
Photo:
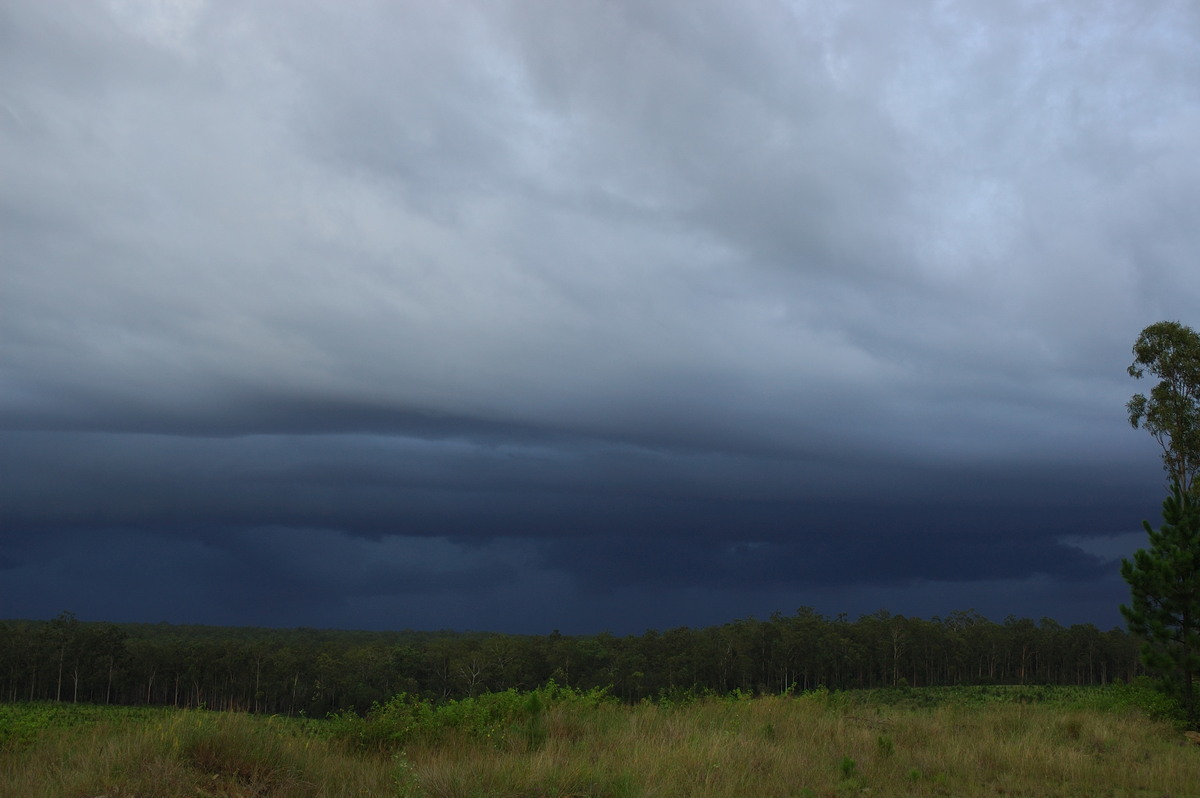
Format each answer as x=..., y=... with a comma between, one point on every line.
x=314, y=672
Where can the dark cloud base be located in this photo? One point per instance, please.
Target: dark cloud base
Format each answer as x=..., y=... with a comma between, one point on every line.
x=315, y=578
x=376, y=532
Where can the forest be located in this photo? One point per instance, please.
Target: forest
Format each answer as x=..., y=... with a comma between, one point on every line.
x=315, y=672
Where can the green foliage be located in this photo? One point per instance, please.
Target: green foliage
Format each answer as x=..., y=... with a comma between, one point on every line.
x=388, y=725
x=500, y=719
x=829, y=700
x=535, y=720
x=1171, y=413
x=22, y=724
x=850, y=779
x=885, y=745
x=1139, y=697
x=1142, y=696
x=1165, y=608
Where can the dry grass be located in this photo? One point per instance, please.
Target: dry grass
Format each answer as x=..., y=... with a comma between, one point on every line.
x=795, y=747
x=191, y=754
x=807, y=746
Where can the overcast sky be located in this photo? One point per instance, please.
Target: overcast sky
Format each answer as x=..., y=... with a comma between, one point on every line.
x=593, y=316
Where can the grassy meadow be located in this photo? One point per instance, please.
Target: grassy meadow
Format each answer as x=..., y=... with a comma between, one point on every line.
x=983, y=741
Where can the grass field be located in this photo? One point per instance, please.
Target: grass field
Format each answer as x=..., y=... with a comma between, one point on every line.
x=1116, y=741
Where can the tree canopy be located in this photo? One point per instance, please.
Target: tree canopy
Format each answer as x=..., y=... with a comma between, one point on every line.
x=1165, y=609
x=1171, y=413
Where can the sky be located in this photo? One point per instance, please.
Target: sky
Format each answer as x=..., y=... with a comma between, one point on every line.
x=593, y=316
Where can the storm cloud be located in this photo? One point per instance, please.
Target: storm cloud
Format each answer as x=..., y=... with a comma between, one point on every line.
x=595, y=315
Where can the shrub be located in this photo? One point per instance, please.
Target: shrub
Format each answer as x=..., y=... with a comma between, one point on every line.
x=499, y=719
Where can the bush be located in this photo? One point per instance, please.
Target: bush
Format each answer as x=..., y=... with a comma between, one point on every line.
x=499, y=719
x=387, y=726
x=1144, y=696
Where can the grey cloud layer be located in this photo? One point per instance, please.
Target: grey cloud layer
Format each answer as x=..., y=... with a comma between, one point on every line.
x=446, y=211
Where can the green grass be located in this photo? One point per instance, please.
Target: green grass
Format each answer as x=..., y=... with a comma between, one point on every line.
x=1117, y=742
x=21, y=724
